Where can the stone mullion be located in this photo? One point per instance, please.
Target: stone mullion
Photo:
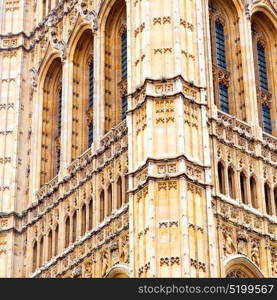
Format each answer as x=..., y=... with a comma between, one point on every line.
x=35, y=164
x=273, y=208
x=67, y=111
x=177, y=36
x=38, y=253
x=248, y=70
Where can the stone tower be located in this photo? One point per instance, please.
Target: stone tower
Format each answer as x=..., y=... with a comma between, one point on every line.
x=138, y=138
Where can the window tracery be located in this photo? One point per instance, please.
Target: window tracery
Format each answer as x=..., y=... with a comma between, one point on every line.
x=226, y=59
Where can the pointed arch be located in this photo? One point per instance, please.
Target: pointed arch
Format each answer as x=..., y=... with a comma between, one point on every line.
x=264, y=36
x=51, y=122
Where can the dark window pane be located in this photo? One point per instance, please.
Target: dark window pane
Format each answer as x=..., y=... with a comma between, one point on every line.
x=220, y=45
x=267, y=120
x=124, y=55
x=223, y=98
x=262, y=67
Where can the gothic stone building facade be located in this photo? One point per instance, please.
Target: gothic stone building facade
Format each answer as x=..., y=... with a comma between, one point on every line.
x=138, y=138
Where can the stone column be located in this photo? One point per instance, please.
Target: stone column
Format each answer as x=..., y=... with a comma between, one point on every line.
x=168, y=141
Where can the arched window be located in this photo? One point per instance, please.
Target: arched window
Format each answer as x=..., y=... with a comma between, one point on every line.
x=243, y=188
x=264, y=36
x=90, y=214
x=110, y=200
x=56, y=246
x=115, y=65
x=84, y=220
x=253, y=190
x=49, y=6
x=241, y=267
x=41, y=251
x=220, y=44
x=263, y=83
x=262, y=66
x=267, y=197
x=226, y=57
x=119, y=192
x=83, y=94
x=35, y=249
x=102, y=206
x=221, y=90
x=126, y=188
x=49, y=256
x=67, y=231
x=51, y=122
x=74, y=227
x=221, y=178
x=267, y=119
x=231, y=182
